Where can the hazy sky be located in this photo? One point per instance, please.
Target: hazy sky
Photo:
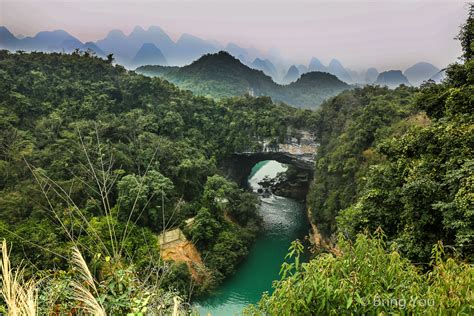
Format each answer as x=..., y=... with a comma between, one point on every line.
x=383, y=33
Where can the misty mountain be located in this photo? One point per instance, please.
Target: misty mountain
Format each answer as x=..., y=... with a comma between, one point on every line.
x=266, y=66
x=371, y=75
x=246, y=55
x=218, y=75
x=335, y=67
x=236, y=50
x=126, y=47
x=49, y=41
x=189, y=48
x=356, y=76
x=292, y=75
x=439, y=76
x=93, y=47
x=149, y=54
x=312, y=89
x=420, y=72
x=392, y=79
x=185, y=50
x=302, y=69
x=116, y=43
x=7, y=39
x=316, y=65
x=154, y=35
x=221, y=75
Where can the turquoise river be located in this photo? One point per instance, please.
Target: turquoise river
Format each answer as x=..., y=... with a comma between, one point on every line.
x=284, y=220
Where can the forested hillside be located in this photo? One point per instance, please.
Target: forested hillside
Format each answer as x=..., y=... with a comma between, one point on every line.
x=101, y=159
x=393, y=189
x=222, y=75
x=400, y=160
x=97, y=161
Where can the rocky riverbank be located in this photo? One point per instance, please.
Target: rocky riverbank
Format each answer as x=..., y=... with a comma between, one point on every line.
x=291, y=183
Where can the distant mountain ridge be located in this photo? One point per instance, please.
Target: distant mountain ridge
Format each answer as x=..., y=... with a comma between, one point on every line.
x=420, y=72
x=149, y=54
x=124, y=47
x=371, y=75
x=48, y=41
x=392, y=79
x=292, y=75
x=189, y=48
x=222, y=75
x=336, y=68
x=266, y=66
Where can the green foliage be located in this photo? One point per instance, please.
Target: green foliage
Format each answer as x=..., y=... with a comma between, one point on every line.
x=228, y=250
x=424, y=182
x=95, y=154
x=347, y=127
x=400, y=160
x=177, y=279
x=224, y=227
x=466, y=35
x=204, y=228
x=369, y=278
x=143, y=199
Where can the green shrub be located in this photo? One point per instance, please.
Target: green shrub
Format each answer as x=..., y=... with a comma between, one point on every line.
x=370, y=278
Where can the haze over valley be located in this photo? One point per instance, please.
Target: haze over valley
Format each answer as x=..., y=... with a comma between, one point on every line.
x=154, y=47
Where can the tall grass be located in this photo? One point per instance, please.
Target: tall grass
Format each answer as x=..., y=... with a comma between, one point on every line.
x=20, y=297
x=85, y=290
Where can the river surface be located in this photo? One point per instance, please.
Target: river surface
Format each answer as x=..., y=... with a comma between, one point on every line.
x=284, y=220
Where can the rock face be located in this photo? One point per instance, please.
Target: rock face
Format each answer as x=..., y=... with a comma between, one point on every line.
x=297, y=152
x=420, y=72
x=392, y=79
x=187, y=253
x=292, y=75
x=175, y=247
x=293, y=183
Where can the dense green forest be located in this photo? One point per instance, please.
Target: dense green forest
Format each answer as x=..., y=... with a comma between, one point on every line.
x=96, y=161
x=400, y=160
x=101, y=159
x=221, y=75
x=393, y=189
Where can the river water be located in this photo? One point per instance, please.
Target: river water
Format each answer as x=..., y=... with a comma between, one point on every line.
x=284, y=220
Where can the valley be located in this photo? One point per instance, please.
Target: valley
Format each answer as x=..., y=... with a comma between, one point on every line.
x=153, y=172
x=283, y=221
